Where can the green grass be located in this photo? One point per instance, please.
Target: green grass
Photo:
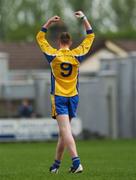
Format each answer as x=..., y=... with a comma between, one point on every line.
x=102, y=160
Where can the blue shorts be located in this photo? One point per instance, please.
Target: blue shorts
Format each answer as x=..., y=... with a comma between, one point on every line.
x=64, y=105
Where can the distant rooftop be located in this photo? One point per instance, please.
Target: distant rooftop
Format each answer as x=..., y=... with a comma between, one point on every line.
x=29, y=56
x=24, y=55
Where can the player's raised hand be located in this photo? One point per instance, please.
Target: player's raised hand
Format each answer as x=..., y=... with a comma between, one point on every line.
x=79, y=14
x=54, y=19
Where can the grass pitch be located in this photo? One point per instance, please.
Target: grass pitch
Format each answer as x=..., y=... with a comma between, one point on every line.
x=102, y=160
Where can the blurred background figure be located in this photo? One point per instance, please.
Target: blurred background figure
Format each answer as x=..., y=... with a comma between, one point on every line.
x=25, y=109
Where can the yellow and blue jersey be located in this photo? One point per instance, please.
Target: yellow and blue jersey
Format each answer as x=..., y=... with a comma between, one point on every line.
x=64, y=63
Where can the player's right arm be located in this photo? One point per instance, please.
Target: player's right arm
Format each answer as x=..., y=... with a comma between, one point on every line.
x=46, y=48
x=85, y=46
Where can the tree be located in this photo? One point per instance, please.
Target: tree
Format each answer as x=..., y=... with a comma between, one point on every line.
x=21, y=19
x=5, y=18
x=124, y=14
x=27, y=14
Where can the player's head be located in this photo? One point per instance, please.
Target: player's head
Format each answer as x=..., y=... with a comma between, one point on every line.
x=65, y=39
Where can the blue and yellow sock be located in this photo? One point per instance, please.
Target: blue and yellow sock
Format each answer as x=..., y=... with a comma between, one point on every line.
x=75, y=162
x=56, y=164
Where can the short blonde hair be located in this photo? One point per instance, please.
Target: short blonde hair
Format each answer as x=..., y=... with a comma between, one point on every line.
x=65, y=38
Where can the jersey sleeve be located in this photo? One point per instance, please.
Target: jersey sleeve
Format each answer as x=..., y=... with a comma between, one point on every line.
x=46, y=48
x=84, y=47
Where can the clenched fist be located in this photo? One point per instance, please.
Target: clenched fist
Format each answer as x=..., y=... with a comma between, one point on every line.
x=54, y=19
x=79, y=14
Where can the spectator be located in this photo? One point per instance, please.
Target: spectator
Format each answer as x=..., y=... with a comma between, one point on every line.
x=25, y=109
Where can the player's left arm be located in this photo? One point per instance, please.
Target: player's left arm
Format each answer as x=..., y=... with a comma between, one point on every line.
x=85, y=46
x=46, y=48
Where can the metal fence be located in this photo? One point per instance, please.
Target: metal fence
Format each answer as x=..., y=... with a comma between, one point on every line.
x=107, y=101
x=125, y=69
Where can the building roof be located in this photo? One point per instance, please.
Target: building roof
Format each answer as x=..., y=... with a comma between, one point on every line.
x=106, y=49
x=127, y=45
x=28, y=55
x=24, y=55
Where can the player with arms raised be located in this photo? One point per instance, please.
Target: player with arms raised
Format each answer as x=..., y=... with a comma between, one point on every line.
x=64, y=65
